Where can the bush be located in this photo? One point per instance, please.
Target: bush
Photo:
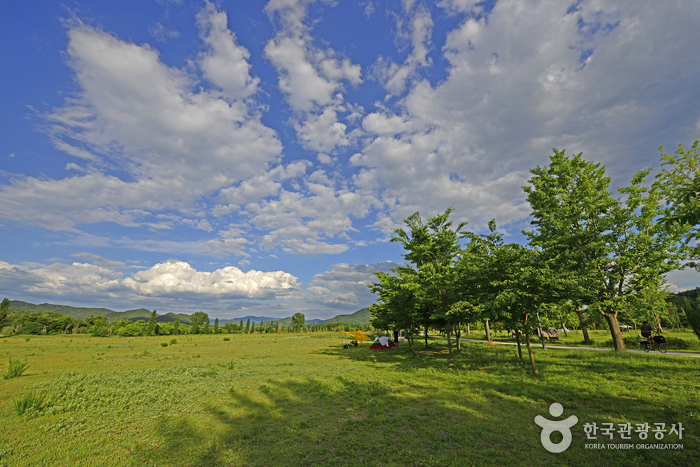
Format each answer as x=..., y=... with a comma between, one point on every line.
x=29, y=402
x=173, y=341
x=130, y=330
x=227, y=339
x=100, y=331
x=16, y=368
x=31, y=327
x=163, y=344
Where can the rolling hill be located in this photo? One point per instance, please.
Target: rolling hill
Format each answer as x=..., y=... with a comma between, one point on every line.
x=359, y=317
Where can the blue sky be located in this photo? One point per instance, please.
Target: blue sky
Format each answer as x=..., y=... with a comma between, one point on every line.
x=242, y=157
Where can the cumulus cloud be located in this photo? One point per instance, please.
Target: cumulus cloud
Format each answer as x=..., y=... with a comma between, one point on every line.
x=346, y=284
x=395, y=76
x=177, y=278
x=310, y=77
x=133, y=113
x=164, y=282
x=584, y=78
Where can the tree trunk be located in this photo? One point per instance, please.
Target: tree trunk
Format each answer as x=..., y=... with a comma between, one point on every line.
x=579, y=312
x=426, y=336
x=566, y=332
x=517, y=339
x=488, y=331
x=468, y=330
x=458, y=335
x=449, y=342
x=532, y=356
x=618, y=342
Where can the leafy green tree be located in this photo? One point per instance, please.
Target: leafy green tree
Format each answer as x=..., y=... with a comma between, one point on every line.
x=205, y=328
x=679, y=183
x=528, y=284
x=176, y=326
x=4, y=307
x=433, y=248
x=247, y=326
x=216, y=326
x=199, y=320
x=151, y=324
x=610, y=249
x=298, y=321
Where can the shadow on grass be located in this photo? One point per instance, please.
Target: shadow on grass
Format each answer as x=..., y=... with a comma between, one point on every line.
x=419, y=411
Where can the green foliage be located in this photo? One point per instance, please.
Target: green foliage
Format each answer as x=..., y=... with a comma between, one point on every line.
x=150, y=330
x=4, y=307
x=176, y=326
x=30, y=403
x=173, y=341
x=199, y=320
x=679, y=182
x=15, y=368
x=226, y=339
x=693, y=315
x=298, y=321
x=130, y=330
x=163, y=344
x=216, y=326
x=611, y=249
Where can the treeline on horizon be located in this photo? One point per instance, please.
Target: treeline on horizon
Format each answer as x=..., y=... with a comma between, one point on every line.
x=36, y=322
x=591, y=259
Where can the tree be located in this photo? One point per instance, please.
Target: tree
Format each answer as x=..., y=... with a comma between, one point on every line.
x=176, y=326
x=198, y=319
x=4, y=307
x=610, y=249
x=679, y=183
x=216, y=326
x=298, y=321
x=528, y=283
x=432, y=248
x=151, y=324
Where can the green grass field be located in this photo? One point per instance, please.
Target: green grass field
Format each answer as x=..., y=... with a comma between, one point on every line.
x=294, y=400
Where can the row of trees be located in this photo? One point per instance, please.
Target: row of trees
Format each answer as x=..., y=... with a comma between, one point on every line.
x=588, y=253
x=44, y=322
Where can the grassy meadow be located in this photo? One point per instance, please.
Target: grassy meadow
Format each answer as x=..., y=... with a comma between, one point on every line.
x=288, y=400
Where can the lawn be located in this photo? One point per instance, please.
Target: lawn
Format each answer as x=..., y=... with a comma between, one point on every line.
x=294, y=400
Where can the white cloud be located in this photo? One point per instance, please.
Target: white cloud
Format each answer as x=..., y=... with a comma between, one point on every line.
x=518, y=84
x=310, y=77
x=99, y=260
x=138, y=115
x=177, y=278
x=161, y=33
x=169, y=282
x=346, y=284
x=393, y=76
x=225, y=64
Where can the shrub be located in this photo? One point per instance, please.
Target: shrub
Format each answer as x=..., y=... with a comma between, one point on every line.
x=130, y=330
x=163, y=344
x=100, y=331
x=29, y=402
x=227, y=339
x=16, y=368
x=173, y=341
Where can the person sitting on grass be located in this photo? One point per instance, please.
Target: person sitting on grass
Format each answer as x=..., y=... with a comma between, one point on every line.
x=646, y=331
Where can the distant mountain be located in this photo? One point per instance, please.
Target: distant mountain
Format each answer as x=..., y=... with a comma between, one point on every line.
x=359, y=317
x=83, y=312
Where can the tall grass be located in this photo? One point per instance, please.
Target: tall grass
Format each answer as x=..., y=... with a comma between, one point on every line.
x=16, y=368
x=30, y=402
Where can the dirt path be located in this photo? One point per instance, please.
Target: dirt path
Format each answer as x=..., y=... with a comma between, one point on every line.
x=567, y=347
